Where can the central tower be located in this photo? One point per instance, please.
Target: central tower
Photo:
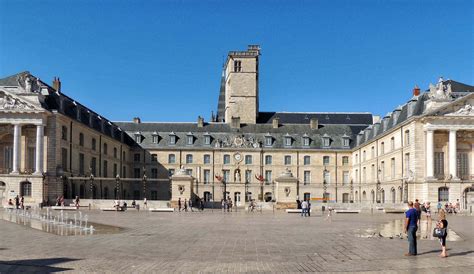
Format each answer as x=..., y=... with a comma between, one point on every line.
x=239, y=87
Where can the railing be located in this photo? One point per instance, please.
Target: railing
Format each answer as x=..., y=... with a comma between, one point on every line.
x=21, y=172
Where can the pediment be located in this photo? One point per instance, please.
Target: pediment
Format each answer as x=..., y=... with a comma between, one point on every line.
x=465, y=108
x=10, y=102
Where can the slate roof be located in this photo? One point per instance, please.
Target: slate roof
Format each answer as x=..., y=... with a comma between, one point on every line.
x=221, y=131
x=325, y=118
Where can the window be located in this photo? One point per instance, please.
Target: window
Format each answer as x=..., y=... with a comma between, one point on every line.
x=138, y=137
x=94, y=166
x=248, y=159
x=268, y=176
x=407, y=137
x=326, y=160
x=306, y=160
x=306, y=141
x=382, y=170
x=115, y=170
x=189, y=158
x=288, y=141
x=363, y=156
x=372, y=153
x=392, y=166
x=382, y=148
x=345, y=142
x=462, y=165
x=207, y=139
x=115, y=152
x=154, y=173
x=356, y=178
x=287, y=160
x=226, y=159
x=356, y=158
x=64, y=133
x=268, y=141
x=154, y=158
x=105, y=169
x=327, y=177
x=326, y=141
x=345, y=160
x=439, y=164
x=81, y=139
x=443, y=194
x=207, y=159
x=154, y=138
x=25, y=189
x=64, y=158
x=364, y=175
x=136, y=172
x=237, y=66
x=307, y=177
x=226, y=175
x=189, y=140
x=123, y=156
x=171, y=158
x=136, y=157
x=248, y=176
x=392, y=143
x=372, y=173
x=345, y=177
x=124, y=171
x=154, y=195
x=93, y=144
x=172, y=139
x=81, y=164
x=105, y=148
x=207, y=176
x=307, y=196
x=31, y=158
x=268, y=160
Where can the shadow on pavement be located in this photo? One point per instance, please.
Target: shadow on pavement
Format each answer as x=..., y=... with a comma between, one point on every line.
x=34, y=265
x=460, y=253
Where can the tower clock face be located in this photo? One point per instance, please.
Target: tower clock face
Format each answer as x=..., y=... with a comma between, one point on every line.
x=238, y=157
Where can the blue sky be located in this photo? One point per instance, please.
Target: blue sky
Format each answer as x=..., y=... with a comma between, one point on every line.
x=161, y=60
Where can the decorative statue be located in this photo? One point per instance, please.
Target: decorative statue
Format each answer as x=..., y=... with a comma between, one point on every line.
x=237, y=177
x=465, y=111
x=440, y=91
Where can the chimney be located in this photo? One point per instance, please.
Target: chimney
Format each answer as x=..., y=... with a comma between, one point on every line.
x=416, y=91
x=136, y=120
x=276, y=122
x=313, y=123
x=57, y=84
x=200, y=122
x=235, y=122
x=254, y=48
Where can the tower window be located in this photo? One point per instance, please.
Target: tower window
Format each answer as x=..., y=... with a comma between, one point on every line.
x=237, y=66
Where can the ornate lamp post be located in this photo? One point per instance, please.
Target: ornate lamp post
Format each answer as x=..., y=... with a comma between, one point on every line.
x=260, y=179
x=351, y=185
x=247, y=186
x=117, y=187
x=144, y=182
x=378, y=186
x=325, y=186
x=91, y=183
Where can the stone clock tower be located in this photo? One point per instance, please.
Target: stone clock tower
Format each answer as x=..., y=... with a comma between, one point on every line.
x=239, y=87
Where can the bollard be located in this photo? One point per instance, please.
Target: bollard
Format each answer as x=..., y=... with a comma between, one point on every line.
x=89, y=206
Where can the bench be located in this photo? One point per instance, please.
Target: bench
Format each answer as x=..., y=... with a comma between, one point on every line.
x=347, y=211
x=379, y=208
x=111, y=209
x=63, y=208
x=393, y=210
x=293, y=210
x=163, y=209
x=73, y=205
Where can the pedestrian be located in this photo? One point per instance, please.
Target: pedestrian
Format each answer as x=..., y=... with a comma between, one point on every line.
x=439, y=207
x=61, y=201
x=298, y=203
x=145, y=203
x=329, y=216
x=191, y=205
x=57, y=201
x=309, y=208
x=304, y=208
x=202, y=204
x=22, y=202
x=457, y=207
x=76, y=202
x=185, y=205
x=443, y=224
x=428, y=218
x=229, y=205
x=411, y=226
x=17, y=202
x=179, y=204
x=133, y=203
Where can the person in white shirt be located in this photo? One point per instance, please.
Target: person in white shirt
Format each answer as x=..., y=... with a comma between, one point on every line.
x=304, y=208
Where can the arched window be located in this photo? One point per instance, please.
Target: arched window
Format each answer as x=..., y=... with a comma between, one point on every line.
x=356, y=198
x=443, y=194
x=393, y=195
x=400, y=194
x=364, y=196
x=382, y=194
x=372, y=196
x=25, y=190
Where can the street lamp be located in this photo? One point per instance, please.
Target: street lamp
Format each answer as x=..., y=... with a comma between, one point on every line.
x=117, y=187
x=378, y=186
x=351, y=185
x=325, y=186
x=144, y=182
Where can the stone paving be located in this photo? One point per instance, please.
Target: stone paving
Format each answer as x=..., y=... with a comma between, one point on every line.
x=231, y=242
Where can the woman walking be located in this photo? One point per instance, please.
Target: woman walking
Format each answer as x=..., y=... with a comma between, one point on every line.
x=443, y=223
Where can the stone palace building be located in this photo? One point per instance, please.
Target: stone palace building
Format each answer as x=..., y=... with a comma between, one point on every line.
x=51, y=145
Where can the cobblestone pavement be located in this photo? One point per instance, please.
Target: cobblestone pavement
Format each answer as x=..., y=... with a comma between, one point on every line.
x=231, y=242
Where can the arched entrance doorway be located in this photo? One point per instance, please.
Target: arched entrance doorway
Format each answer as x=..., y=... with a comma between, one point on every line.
x=393, y=195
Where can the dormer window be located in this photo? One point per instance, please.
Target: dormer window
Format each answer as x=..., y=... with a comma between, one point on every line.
x=138, y=137
x=189, y=139
x=268, y=140
x=345, y=141
x=207, y=139
x=154, y=138
x=306, y=140
x=288, y=140
x=172, y=138
x=326, y=140
x=237, y=66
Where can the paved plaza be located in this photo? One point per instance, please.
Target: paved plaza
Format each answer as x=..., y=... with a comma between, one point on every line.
x=231, y=242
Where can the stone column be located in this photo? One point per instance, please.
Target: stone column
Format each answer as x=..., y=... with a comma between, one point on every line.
x=39, y=149
x=452, y=150
x=429, y=154
x=16, y=148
